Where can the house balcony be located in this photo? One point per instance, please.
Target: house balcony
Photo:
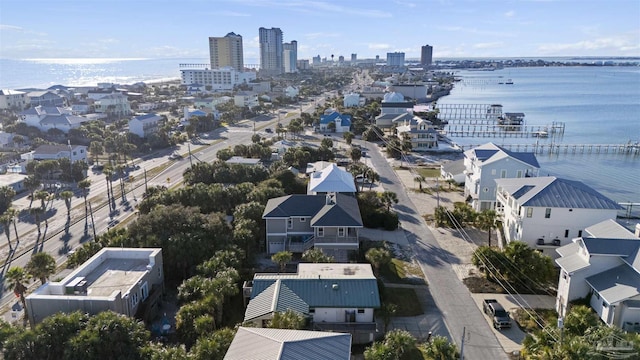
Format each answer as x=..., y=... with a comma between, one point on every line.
x=342, y=240
x=299, y=243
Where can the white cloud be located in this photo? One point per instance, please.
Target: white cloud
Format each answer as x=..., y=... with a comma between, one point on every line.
x=253, y=42
x=109, y=41
x=489, y=45
x=315, y=6
x=510, y=13
x=405, y=4
x=477, y=31
x=5, y=27
x=627, y=43
x=379, y=46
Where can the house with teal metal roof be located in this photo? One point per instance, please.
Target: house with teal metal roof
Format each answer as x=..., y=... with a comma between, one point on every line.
x=334, y=297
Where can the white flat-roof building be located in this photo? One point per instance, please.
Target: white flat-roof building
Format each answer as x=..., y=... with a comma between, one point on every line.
x=127, y=281
x=217, y=79
x=12, y=99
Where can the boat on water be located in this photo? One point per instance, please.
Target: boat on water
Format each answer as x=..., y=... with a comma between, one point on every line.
x=540, y=134
x=509, y=82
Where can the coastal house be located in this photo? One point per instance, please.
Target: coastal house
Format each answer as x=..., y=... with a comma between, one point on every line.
x=80, y=108
x=114, y=105
x=328, y=222
x=14, y=181
x=291, y=91
x=607, y=272
x=245, y=98
x=422, y=134
x=45, y=98
x=335, y=297
x=484, y=164
x=453, y=170
x=353, y=100
x=55, y=152
x=13, y=99
x=331, y=179
x=285, y=344
x=221, y=79
x=52, y=117
x=127, y=281
x=145, y=124
x=547, y=212
x=342, y=122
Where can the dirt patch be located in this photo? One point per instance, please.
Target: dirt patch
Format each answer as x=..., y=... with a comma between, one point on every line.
x=479, y=284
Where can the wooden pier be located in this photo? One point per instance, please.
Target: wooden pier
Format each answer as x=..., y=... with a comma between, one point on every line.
x=452, y=112
x=629, y=148
x=495, y=130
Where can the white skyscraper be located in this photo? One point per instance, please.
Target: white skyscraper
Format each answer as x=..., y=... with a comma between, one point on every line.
x=290, y=56
x=395, y=59
x=271, y=51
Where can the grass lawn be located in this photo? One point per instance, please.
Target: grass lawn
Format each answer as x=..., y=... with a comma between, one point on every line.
x=428, y=173
x=405, y=299
x=402, y=272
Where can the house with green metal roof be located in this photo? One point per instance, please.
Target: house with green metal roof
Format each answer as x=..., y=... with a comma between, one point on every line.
x=334, y=297
x=329, y=222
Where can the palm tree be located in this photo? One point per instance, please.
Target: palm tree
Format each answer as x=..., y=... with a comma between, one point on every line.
x=32, y=184
x=372, y=176
x=85, y=185
x=486, y=221
x=400, y=341
x=37, y=215
x=67, y=195
x=42, y=196
x=389, y=198
x=287, y=320
x=377, y=258
x=440, y=348
x=316, y=256
x=6, y=220
x=282, y=258
x=419, y=179
x=17, y=278
x=108, y=172
x=41, y=266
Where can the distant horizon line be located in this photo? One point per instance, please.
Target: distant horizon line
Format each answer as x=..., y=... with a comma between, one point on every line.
x=115, y=59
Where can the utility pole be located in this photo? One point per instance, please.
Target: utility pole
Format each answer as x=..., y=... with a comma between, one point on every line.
x=462, y=344
x=437, y=192
x=93, y=224
x=190, y=159
x=145, y=179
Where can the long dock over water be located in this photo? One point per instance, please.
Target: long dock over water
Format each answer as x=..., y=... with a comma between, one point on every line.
x=504, y=131
x=629, y=148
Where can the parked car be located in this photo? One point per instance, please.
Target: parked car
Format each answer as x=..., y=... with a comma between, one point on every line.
x=499, y=316
x=268, y=130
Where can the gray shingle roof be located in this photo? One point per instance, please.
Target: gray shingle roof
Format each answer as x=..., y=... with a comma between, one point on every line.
x=553, y=192
x=491, y=152
x=276, y=298
x=611, y=229
x=344, y=211
x=572, y=263
x=283, y=344
x=616, y=284
x=454, y=167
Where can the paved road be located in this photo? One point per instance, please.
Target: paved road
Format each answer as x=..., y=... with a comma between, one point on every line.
x=452, y=298
x=59, y=240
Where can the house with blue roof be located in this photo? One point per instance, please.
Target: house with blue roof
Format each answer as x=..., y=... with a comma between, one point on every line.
x=342, y=121
x=548, y=212
x=337, y=297
x=484, y=164
x=606, y=271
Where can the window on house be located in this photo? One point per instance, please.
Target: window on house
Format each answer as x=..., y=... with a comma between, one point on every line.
x=312, y=311
x=519, y=174
x=503, y=173
x=566, y=233
x=320, y=231
x=604, y=304
x=144, y=291
x=341, y=232
x=360, y=311
x=529, y=212
x=303, y=219
x=547, y=213
x=564, y=275
x=289, y=223
x=579, y=233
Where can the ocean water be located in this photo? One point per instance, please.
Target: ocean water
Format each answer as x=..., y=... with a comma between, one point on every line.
x=43, y=73
x=599, y=105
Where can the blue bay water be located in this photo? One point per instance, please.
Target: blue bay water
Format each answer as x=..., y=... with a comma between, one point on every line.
x=599, y=105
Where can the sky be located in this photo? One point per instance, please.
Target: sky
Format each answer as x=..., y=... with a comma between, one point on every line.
x=455, y=28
